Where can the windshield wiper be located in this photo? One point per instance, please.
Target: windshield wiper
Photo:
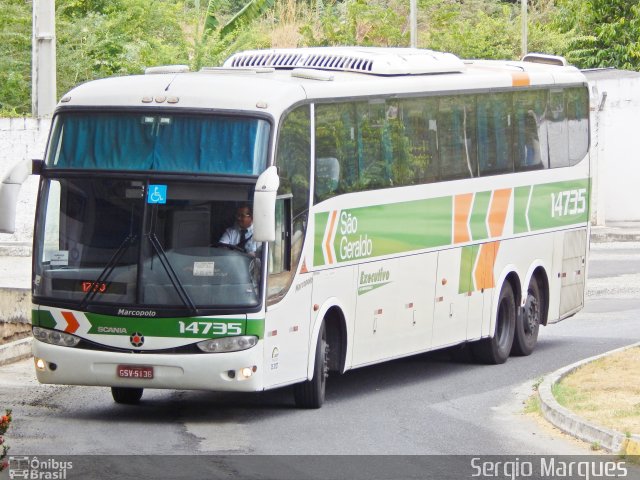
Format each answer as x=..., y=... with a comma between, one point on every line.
x=175, y=281
x=106, y=271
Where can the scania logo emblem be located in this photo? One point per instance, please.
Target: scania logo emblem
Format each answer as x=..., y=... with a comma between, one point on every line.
x=136, y=339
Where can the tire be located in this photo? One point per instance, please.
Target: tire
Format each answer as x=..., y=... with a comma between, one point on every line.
x=127, y=396
x=496, y=350
x=310, y=393
x=528, y=322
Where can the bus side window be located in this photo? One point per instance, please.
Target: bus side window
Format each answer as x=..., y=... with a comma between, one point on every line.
x=335, y=142
x=373, y=145
x=557, y=130
x=327, y=177
x=530, y=131
x=280, y=248
x=456, y=137
x=420, y=139
x=494, y=133
x=577, y=123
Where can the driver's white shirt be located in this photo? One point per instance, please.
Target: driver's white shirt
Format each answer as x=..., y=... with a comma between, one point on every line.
x=231, y=236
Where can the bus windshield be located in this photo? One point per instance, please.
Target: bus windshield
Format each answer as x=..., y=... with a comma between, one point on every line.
x=186, y=143
x=120, y=242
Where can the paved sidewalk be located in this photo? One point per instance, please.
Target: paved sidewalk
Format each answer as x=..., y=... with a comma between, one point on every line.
x=616, y=232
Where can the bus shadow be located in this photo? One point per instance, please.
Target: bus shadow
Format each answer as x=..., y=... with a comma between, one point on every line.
x=429, y=372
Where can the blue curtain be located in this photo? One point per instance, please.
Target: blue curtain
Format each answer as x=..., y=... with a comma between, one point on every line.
x=178, y=143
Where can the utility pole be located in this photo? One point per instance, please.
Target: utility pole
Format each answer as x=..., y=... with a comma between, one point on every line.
x=524, y=28
x=43, y=59
x=413, y=21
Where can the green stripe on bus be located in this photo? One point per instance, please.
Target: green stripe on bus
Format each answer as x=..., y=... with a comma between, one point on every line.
x=192, y=327
x=42, y=318
x=189, y=327
x=520, y=199
x=255, y=326
x=467, y=261
x=478, y=223
x=387, y=229
x=393, y=228
x=321, y=220
x=552, y=205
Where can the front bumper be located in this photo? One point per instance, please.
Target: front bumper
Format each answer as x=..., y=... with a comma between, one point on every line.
x=74, y=366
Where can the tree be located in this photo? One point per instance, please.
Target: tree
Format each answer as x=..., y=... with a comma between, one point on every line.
x=15, y=57
x=98, y=38
x=249, y=12
x=605, y=33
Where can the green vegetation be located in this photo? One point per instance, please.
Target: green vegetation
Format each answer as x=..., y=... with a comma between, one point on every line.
x=98, y=38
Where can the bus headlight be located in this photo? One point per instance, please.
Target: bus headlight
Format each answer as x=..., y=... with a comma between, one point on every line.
x=228, y=344
x=55, y=337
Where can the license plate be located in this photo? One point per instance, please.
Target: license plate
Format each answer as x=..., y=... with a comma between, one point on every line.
x=134, y=371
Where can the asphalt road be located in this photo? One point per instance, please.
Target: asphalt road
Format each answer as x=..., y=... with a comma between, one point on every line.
x=424, y=405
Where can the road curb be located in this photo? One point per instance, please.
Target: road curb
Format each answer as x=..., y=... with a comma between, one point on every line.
x=14, y=351
x=567, y=421
x=607, y=235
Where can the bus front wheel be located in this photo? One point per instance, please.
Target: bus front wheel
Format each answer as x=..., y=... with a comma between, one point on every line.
x=310, y=393
x=496, y=350
x=127, y=396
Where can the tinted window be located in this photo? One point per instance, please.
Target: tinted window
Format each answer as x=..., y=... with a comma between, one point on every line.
x=385, y=143
x=456, y=137
x=530, y=130
x=557, y=130
x=494, y=133
x=577, y=123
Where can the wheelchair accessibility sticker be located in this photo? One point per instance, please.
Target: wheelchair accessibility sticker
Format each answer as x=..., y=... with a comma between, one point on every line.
x=157, y=194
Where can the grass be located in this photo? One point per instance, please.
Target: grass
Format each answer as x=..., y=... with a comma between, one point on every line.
x=606, y=392
x=532, y=405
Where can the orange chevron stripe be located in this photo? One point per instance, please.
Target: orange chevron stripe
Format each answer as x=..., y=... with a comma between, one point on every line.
x=462, y=209
x=72, y=323
x=327, y=245
x=498, y=211
x=520, y=79
x=303, y=268
x=483, y=273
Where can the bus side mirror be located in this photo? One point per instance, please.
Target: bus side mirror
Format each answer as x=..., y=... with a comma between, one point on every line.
x=10, y=189
x=264, y=206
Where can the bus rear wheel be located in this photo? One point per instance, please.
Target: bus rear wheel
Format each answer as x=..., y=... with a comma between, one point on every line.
x=310, y=393
x=127, y=396
x=496, y=350
x=528, y=323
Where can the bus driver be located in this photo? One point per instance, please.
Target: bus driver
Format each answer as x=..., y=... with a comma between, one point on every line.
x=240, y=235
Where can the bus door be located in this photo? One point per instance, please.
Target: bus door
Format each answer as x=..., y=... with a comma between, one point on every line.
x=393, y=312
x=451, y=307
x=288, y=321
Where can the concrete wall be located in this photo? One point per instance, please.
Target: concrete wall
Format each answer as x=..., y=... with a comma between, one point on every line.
x=20, y=139
x=615, y=145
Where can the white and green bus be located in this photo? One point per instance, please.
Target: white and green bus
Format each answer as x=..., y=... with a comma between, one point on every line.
x=403, y=201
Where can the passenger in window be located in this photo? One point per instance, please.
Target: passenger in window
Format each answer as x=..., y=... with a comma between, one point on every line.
x=240, y=235
x=532, y=142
